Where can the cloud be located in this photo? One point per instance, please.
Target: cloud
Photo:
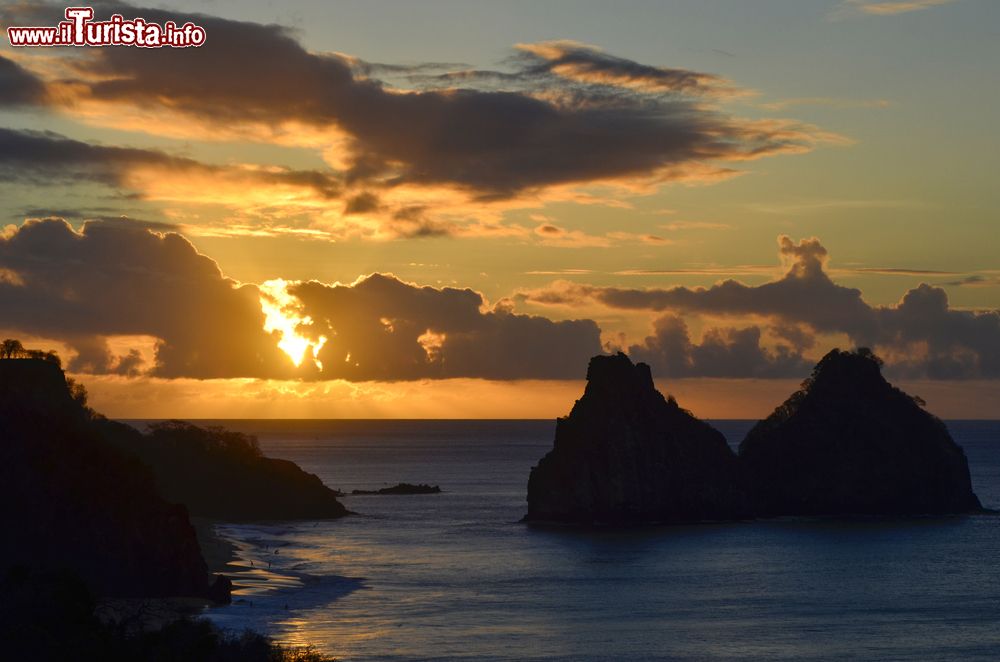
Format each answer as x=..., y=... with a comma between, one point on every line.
x=18, y=86
x=116, y=279
x=721, y=353
x=694, y=225
x=550, y=234
x=921, y=335
x=830, y=102
x=565, y=114
x=888, y=7
x=382, y=328
x=975, y=280
x=47, y=158
x=796, y=294
x=896, y=271
x=586, y=64
x=110, y=279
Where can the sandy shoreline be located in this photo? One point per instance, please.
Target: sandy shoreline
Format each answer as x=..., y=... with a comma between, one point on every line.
x=216, y=550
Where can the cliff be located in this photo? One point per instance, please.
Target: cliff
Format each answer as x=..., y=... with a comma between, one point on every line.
x=69, y=500
x=851, y=443
x=221, y=474
x=626, y=454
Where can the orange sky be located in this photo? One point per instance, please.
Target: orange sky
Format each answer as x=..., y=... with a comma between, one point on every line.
x=322, y=214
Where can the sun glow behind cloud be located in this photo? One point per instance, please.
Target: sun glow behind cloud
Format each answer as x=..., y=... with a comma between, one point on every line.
x=282, y=314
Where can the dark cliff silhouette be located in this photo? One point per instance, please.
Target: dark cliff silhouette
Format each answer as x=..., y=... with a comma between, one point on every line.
x=850, y=443
x=85, y=523
x=626, y=454
x=69, y=500
x=221, y=474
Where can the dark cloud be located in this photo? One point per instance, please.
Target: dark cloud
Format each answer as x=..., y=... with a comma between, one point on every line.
x=570, y=66
x=382, y=328
x=44, y=157
x=362, y=203
x=127, y=222
x=585, y=64
x=570, y=113
x=804, y=294
x=922, y=335
x=721, y=353
x=120, y=279
x=943, y=342
x=47, y=212
x=18, y=86
x=412, y=221
x=974, y=280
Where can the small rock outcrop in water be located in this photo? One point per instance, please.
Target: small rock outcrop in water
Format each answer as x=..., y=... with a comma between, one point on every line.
x=626, y=454
x=70, y=501
x=851, y=443
x=402, y=488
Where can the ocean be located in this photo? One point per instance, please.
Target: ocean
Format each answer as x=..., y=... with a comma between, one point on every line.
x=457, y=576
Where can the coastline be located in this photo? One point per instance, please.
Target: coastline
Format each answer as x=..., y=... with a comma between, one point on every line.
x=216, y=550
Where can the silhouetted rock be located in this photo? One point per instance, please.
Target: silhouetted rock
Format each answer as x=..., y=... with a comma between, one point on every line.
x=851, y=443
x=403, y=488
x=221, y=590
x=625, y=454
x=221, y=474
x=69, y=500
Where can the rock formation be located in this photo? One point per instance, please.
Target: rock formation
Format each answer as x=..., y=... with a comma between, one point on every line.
x=70, y=501
x=850, y=443
x=221, y=474
x=401, y=488
x=626, y=454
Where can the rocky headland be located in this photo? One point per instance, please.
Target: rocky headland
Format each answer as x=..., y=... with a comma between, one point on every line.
x=71, y=501
x=222, y=475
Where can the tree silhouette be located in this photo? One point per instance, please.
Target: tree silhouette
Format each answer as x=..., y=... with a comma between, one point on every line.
x=11, y=349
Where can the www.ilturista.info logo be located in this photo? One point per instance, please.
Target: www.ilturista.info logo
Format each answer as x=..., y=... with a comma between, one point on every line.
x=80, y=30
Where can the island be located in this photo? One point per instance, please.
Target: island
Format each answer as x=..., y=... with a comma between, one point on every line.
x=850, y=443
x=847, y=444
x=401, y=488
x=625, y=454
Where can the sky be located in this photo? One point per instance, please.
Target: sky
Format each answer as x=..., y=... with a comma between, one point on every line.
x=443, y=209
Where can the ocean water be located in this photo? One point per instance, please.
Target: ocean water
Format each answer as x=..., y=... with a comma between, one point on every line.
x=456, y=576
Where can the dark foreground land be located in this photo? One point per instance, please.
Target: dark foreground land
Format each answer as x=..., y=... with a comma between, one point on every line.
x=104, y=562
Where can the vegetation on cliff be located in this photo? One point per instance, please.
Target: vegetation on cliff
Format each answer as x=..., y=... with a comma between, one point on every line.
x=851, y=443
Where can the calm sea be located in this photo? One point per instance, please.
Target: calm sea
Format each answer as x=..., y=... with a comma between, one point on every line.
x=455, y=576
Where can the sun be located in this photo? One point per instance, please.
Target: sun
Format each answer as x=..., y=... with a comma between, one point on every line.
x=282, y=313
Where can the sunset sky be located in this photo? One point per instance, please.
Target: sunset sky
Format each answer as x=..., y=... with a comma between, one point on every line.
x=443, y=209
